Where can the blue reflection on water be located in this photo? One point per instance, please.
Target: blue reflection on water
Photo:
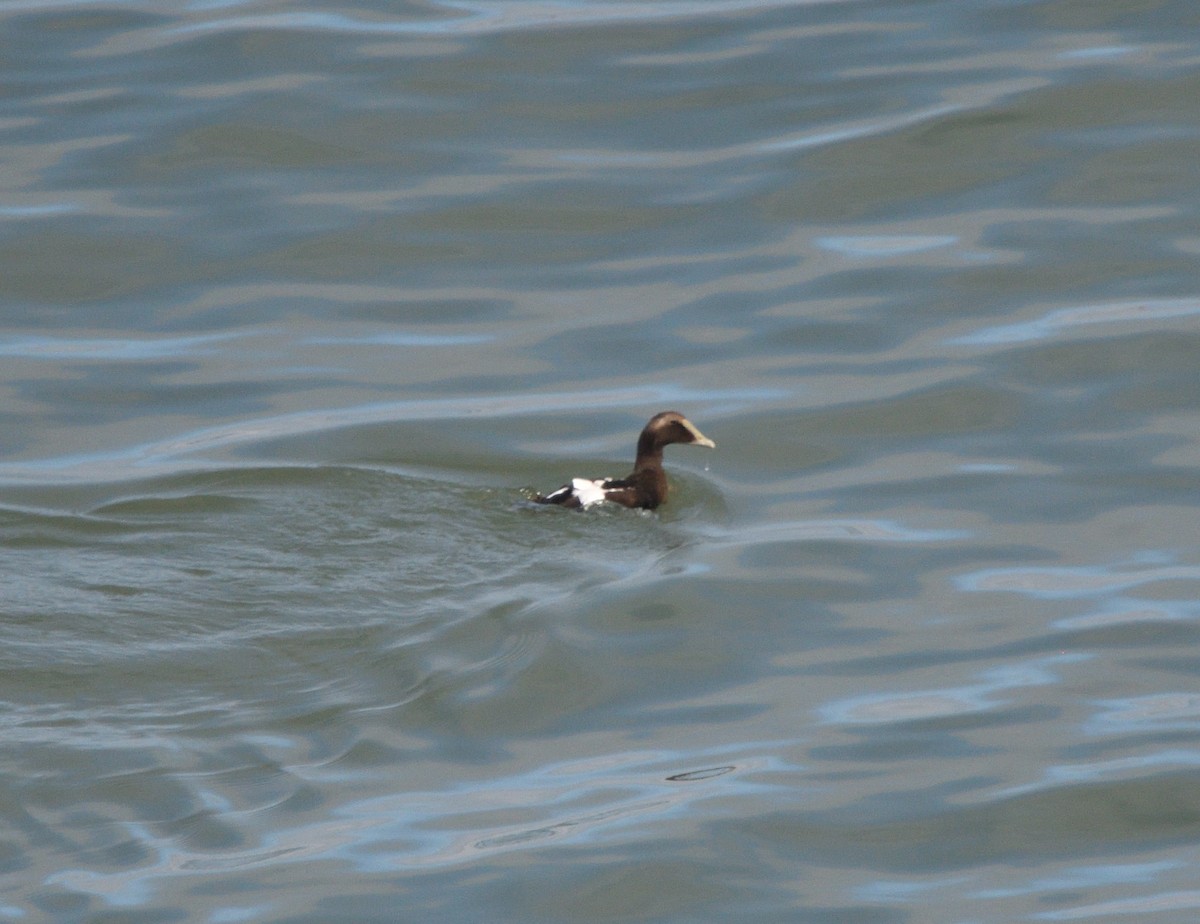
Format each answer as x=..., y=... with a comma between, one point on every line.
x=123, y=348
x=575, y=801
x=916, y=705
x=1087, y=316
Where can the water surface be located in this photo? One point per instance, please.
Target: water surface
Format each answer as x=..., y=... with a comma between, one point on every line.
x=299, y=305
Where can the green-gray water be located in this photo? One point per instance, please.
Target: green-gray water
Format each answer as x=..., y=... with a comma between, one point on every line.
x=298, y=305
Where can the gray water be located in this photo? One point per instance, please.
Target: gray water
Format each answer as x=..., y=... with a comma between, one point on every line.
x=299, y=305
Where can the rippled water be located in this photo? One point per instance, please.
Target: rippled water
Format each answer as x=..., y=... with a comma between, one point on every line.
x=298, y=306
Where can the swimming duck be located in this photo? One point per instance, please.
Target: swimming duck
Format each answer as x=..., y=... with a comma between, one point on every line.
x=646, y=485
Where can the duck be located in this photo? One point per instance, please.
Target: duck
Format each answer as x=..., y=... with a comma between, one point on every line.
x=645, y=487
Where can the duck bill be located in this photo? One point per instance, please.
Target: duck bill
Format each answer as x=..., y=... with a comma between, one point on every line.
x=698, y=438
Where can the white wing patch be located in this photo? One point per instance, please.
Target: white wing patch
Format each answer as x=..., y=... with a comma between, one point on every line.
x=589, y=492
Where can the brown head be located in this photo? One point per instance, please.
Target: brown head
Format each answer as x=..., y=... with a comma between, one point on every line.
x=662, y=430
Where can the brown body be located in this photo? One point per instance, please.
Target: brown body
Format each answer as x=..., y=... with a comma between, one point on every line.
x=646, y=486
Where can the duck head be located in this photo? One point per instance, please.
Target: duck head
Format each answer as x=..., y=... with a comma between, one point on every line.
x=669, y=427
